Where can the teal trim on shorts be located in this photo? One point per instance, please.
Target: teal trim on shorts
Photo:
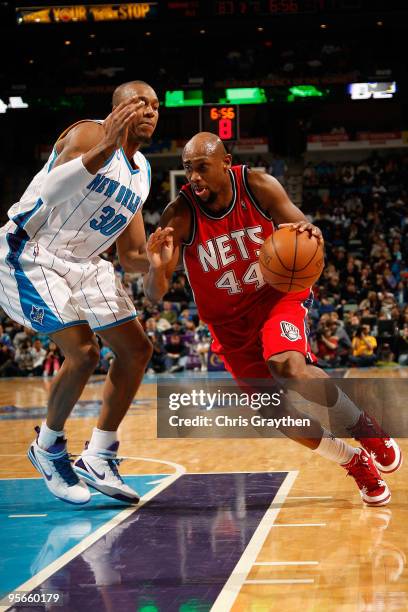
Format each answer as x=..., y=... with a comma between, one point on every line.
x=103, y=327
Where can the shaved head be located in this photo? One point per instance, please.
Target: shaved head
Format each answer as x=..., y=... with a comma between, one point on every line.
x=207, y=163
x=127, y=90
x=204, y=144
x=143, y=96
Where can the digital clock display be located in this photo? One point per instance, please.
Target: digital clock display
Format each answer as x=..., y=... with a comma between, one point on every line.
x=220, y=119
x=247, y=8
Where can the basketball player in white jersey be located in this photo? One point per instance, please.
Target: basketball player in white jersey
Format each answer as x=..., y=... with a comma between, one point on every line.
x=88, y=195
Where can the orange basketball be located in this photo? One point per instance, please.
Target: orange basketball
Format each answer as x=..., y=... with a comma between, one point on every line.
x=291, y=261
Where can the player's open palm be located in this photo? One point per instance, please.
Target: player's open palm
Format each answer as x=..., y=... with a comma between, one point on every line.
x=160, y=247
x=117, y=123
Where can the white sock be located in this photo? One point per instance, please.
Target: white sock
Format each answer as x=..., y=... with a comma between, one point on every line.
x=346, y=409
x=47, y=437
x=335, y=449
x=102, y=440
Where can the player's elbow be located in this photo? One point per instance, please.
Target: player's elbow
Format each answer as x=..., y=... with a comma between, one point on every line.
x=125, y=263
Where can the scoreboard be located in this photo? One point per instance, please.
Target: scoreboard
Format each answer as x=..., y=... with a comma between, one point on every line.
x=51, y=11
x=220, y=119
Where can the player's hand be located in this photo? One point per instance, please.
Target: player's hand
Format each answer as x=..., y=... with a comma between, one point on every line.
x=304, y=226
x=117, y=123
x=160, y=247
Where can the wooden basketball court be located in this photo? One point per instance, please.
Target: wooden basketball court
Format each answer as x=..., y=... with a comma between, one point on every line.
x=291, y=525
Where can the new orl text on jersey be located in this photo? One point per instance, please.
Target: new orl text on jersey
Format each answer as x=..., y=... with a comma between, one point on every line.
x=109, y=187
x=109, y=223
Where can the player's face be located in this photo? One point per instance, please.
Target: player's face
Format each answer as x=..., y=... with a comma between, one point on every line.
x=144, y=124
x=206, y=176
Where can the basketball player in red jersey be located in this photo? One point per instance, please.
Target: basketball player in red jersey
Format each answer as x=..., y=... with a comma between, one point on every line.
x=217, y=224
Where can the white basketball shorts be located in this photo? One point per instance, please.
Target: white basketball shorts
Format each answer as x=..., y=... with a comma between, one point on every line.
x=47, y=293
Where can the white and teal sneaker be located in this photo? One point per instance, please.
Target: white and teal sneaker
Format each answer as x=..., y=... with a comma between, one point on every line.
x=100, y=471
x=56, y=469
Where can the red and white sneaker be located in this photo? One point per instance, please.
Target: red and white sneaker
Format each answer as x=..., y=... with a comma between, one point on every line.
x=385, y=451
x=373, y=489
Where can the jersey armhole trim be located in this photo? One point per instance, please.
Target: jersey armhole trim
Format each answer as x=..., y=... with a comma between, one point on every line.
x=193, y=229
x=149, y=171
x=52, y=162
x=251, y=195
x=132, y=171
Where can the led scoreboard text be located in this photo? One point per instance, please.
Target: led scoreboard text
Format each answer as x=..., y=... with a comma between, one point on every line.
x=267, y=7
x=221, y=119
x=87, y=12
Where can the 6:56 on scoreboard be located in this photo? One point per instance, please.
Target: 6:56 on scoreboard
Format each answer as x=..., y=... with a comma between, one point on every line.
x=220, y=119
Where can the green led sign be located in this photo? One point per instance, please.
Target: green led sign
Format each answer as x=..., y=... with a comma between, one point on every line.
x=180, y=98
x=305, y=91
x=244, y=95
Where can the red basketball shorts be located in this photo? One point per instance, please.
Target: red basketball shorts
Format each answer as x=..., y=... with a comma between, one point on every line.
x=271, y=327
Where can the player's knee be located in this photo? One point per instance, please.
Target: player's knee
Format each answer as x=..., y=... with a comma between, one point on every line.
x=136, y=352
x=88, y=356
x=287, y=367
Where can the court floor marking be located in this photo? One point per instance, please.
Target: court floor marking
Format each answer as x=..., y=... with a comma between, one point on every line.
x=25, y=515
x=239, y=574
x=282, y=581
x=56, y=565
x=309, y=497
x=22, y=477
x=13, y=455
x=247, y=472
x=268, y=563
x=299, y=525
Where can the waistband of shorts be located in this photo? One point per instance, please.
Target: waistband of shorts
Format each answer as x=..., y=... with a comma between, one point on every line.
x=12, y=228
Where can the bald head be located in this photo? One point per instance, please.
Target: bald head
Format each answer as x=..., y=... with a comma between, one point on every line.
x=127, y=90
x=204, y=144
x=207, y=165
x=146, y=110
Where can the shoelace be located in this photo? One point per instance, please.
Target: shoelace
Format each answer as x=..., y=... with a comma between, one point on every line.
x=113, y=464
x=64, y=469
x=367, y=480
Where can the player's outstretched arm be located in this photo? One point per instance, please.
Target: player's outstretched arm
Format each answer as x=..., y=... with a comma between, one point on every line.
x=274, y=200
x=84, y=150
x=163, y=248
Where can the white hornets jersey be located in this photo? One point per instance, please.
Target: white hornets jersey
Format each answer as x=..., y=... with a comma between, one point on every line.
x=86, y=224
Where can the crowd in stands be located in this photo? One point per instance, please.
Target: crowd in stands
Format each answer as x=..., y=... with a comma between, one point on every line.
x=180, y=341
x=360, y=311
x=23, y=352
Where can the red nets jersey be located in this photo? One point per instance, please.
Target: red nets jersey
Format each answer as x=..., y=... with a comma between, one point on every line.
x=221, y=259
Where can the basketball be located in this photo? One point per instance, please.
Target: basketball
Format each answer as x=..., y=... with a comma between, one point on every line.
x=291, y=261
